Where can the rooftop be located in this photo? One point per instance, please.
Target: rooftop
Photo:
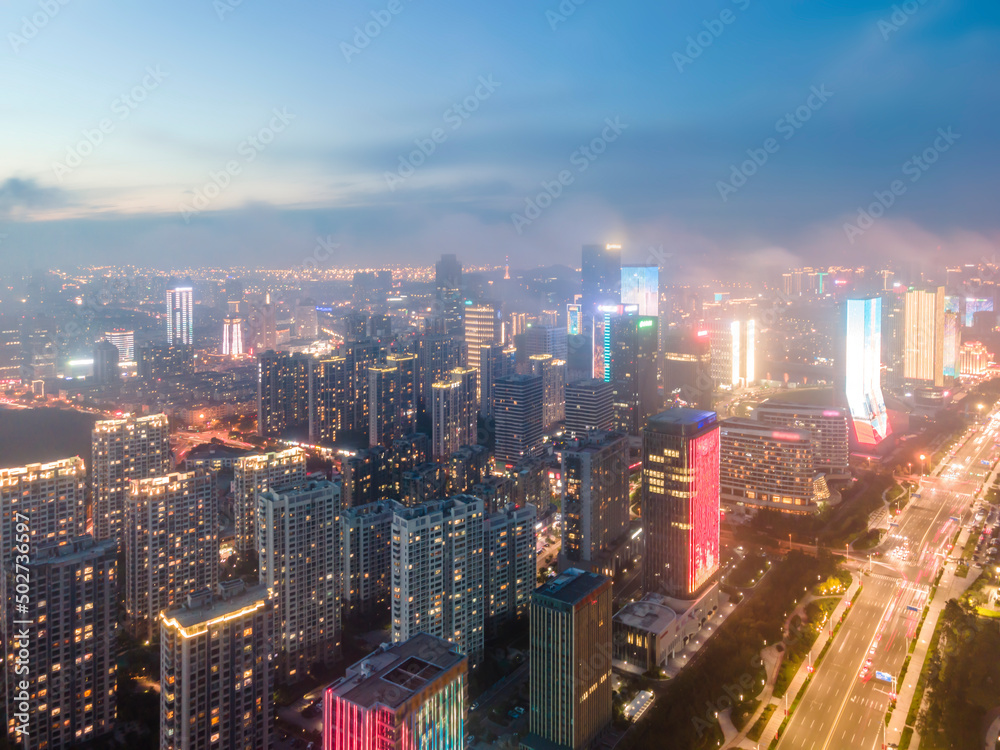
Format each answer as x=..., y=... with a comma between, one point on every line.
x=208, y=607
x=572, y=586
x=648, y=616
x=681, y=421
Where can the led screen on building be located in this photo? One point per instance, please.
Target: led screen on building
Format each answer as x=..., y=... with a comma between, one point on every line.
x=862, y=362
x=703, y=558
x=641, y=286
x=974, y=305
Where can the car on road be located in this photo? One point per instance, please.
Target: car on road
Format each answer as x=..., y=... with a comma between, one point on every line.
x=474, y=706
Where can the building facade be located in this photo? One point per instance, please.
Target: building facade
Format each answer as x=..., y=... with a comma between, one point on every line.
x=255, y=474
x=518, y=407
x=454, y=411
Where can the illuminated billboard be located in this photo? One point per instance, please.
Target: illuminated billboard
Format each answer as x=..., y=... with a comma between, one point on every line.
x=574, y=320
x=703, y=557
x=641, y=286
x=862, y=363
x=974, y=305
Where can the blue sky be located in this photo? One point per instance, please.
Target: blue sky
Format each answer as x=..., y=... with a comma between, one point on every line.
x=220, y=70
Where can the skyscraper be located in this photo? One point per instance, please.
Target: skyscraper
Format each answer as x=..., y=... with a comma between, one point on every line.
x=861, y=371
x=51, y=495
x=282, y=393
x=509, y=557
x=632, y=343
x=367, y=556
x=233, y=332
x=453, y=412
x=392, y=399
x=570, y=662
x=495, y=362
x=253, y=475
x=518, y=409
x=106, y=370
x=171, y=544
x=595, y=477
x=124, y=341
x=640, y=286
x=404, y=696
x=70, y=651
x=680, y=501
x=733, y=352
x=448, y=282
x=687, y=367
x=589, y=407
x=923, y=337
x=437, y=355
x=482, y=328
x=437, y=573
x=124, y=450
x=331, y=406
x=601, y=276
x=300, y=544
x=180, y=314
x=553, y=372
x=216, y=671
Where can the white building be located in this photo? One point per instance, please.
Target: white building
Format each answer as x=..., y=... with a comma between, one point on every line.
x=301, y=557
x=123, y=450
x=828, y=426
x=216, y=671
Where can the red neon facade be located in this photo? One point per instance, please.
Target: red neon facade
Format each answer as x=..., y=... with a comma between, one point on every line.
x=703, y=554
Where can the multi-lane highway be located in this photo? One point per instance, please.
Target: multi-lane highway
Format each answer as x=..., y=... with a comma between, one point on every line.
x=844, y=706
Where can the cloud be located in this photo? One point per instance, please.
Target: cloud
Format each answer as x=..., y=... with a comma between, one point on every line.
x=19, y=197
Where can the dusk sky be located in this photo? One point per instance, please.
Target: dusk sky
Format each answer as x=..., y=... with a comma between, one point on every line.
x=514, y=90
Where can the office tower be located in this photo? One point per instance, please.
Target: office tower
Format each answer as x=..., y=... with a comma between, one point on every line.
x=437, y=573
x=403, y=696
x=923, y=337
x=542, y=339
x=364, y=290
x=392, y=399
x=180, y=314
x=763, y=467
x=216, y=673
x=11, y=350
x=632, y=343
x=106, y=370
x=495, y=362
x=574, y=320
x=518, y=325
x=330, y=407
x=367, y=556
x=687, y=367
x=828, y=426
x=70, y=688
x=570, y=662
x=974, y=359
x=437, y=355
x=263, y=327
x=124, y=341
x=282, y=393
x=51, y=496
x=861, y=369
x=589, y=407
x=360, y=356
x=448, y=283
x=517, y=408
x=510, y=559
x=233, y=332
x=893, y=337
x=301, y=562
x=171, y=544
x=467, y=467
x=482, y=328
x=680, y=501
x=306, y=319
x=641, y=286
x=553, y=373
x=123, y=450
x=595, y=514
x=163, y=362
x=453, y=412
x=601, y=276
x=253, y=475
x=733, y=346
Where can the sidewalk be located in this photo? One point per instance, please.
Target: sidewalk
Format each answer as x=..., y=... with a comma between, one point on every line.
x=950, y=587
x=800, y=676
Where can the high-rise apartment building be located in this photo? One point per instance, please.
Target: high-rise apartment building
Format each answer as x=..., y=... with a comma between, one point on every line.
x=761, y=467
x=923, y=337
x=368, y=556
x=553, y=372
x=300, y=544
x=180, y=314
x=589, y=407
x=171, y=544
x=510, y=554
x=69, y=650
x=159, y=362
x=253, y=475
x=392, y=399
x=330, y=399
x=51, y=496
x=403, y=696
x=437, y=573
x=518, y=407
x=216, y=670
x=282, y=393
x=595, y=514
x=483, y=327
x=680, y=501
x=495, y=362
x=453, y=412
x=124, y=450
x=437, y=355
x=570, y=662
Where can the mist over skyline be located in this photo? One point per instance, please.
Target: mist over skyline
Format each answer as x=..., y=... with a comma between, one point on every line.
x=206, y=134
